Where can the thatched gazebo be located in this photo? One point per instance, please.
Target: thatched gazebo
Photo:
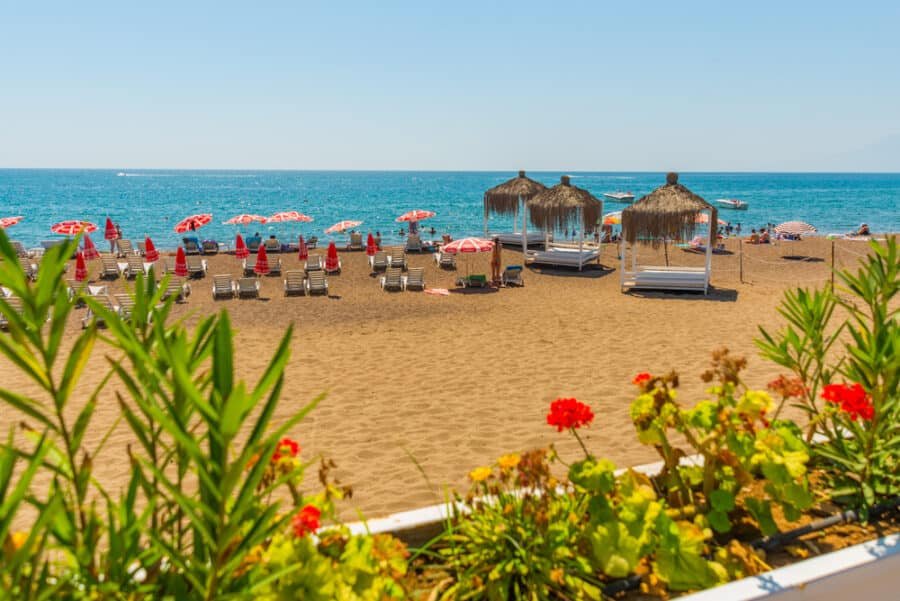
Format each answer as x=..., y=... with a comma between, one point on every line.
x=669, y=212
x=564, y=206
x=507, y=198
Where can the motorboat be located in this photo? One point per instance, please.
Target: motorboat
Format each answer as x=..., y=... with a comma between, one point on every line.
x=619, y=196
x=732, y=203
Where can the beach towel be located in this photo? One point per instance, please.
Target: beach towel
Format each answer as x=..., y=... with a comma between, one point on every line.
x=437, y=291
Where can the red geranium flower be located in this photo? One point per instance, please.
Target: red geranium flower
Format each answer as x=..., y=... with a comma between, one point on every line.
x=641, y=378
x=306, y=521
x=852, y=400
x=286, y=448
x=569, y=414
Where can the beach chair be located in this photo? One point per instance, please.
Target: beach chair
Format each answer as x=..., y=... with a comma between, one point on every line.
x=294, y=283
x=109, y=269
x=210, y=247
x=416, y=278
x=90, y=316
x=445, y=260
x=273, y=245
x=248, y=288
x=125, y=303
x=313, y=263
x=512, y=276
x=31, y=270
x=474, y=281
x=356, y=241
x=379, y=261
x=413, y=243
x=196, y=266
x=398, y=258
x=125, y=248
x=223, y=287
x=15, y=303
x=142, y=248
x=135, y=266
x=316, y=282
x=178, y=289
x=249, y=265
x=275, y=267
x=313, y=242
x=253, y=243
x=20, y=250
x=75, y=291
x=191, y=246
x=392, y=279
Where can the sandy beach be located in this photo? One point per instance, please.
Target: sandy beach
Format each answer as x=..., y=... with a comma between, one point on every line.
x=454, y=381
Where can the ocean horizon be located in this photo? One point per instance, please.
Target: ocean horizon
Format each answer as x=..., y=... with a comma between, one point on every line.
x=150, y=201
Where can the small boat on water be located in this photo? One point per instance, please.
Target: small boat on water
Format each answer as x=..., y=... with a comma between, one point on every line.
x=732, y=203
x=619, y=196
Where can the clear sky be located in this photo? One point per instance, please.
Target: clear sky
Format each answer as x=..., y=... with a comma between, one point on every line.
x=787, y=85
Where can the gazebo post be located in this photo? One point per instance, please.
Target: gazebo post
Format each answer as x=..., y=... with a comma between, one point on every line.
x=709, y=245
x=580, y=236
x=524, y=233
x=485, y=219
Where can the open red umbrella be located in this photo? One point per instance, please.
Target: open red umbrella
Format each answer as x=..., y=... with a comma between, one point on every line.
x=193, y=222
x=284, y=216
x=180, y=263
x=80, y=268
x=342, y=226
x=262, y=261
x=151, y=255
x=304, y=252
x=415, y=215
x=331, y=259
x=371, y=247
x=245, y=219
x=468, y=245
x=73, y=227
x=110, y=233
x=240, y=249
x=8, y=221
x=90, y=251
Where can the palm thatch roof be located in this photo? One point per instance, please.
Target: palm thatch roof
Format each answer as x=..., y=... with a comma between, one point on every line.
x=558, y=207
x=670, y=211
x=504, y=199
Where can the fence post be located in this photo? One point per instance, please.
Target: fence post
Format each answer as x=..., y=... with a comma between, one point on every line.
x=833, y=267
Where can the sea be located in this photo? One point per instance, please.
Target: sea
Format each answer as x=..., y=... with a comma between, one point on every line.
x=151, y=202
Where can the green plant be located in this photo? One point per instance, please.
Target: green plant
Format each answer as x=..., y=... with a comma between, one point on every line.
x=859, y=418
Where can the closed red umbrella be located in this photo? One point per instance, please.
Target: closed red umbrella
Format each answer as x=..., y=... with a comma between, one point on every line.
x=8, y=221
x=304, y=252
x=90, y=251
x=331, y=259
x=73, y=227
x=262, y=261
x=110, y=233
x=192, y=223
x=151, y=255
x=240, y=249
x=180, y=263
x=371, y=247
x=80, y=268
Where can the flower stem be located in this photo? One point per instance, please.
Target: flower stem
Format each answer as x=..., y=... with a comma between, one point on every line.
x=581, y=442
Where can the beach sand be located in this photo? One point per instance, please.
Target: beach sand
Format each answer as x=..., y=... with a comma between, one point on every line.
x=421, y=389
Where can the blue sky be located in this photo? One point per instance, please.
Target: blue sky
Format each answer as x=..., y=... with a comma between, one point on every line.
x=786, y=85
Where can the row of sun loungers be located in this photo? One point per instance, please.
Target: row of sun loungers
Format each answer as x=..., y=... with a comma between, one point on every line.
x=296, y=283
x=394, y=280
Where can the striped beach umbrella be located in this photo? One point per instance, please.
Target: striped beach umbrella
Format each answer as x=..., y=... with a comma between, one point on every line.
x=262, y=261
x=303, y=253
x=343, y=226
x=89, y=251
x=151, y=255
x=8, y=221
x=240, y=249
x=245, y=219
x=180, y=263
x=192, y=223
x=110, y=232
x=285, y=216
x=795, y=228
x=80, y=268
x=415, y=215
x=613, y=218
x=468, y=245
x=371, y=247
x=73, y=227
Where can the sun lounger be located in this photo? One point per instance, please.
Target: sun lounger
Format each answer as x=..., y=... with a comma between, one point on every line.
x=275, y=267
x=512, y=276
x=249, y=265
x=178, y=289
x=15, y=303
x=356, y=242
x=210, y=247
x=313, y=263
x=20, y=250
x=31, y=270
x=413, y=243
x=416, y=278
x=313, y=242
x=142, y=248
x=564, y=257
x=294, y=283
x=248, y=288
x=392, y=279
x=90, y=316
x=134, y=267
x=109, y=269
x=273, y=245
x=667, y=278
x=253, y=243
x=379, y=261
x=75, y=291
x=196, y=266
x=445, y=260
x=473, y=281
x=191, y=246
x=223, y=287
x=125, y=303
x=398, y=258
x=316, y=282
x=125, y=248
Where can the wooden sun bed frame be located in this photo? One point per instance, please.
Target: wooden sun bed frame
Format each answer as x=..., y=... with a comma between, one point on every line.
x=666, y=278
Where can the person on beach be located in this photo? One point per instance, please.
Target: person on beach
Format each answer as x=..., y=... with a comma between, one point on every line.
x=764, y=236
x=737, y=229
x=607, y=233
x=863, y=230
x=402, y=232
x=378, y=239
x=754, y=237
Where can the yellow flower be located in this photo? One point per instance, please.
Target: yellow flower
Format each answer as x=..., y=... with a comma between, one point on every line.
x=507, y=462
x=18, y=539
x=557, y=575
x=480, y=474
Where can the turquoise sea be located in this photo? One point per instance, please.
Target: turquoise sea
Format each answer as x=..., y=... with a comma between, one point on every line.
x=150, y=202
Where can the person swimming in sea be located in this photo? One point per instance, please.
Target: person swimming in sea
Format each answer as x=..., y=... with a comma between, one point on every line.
x=863, y=230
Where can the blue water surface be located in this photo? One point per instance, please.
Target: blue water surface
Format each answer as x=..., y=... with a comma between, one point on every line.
x=150, y=202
